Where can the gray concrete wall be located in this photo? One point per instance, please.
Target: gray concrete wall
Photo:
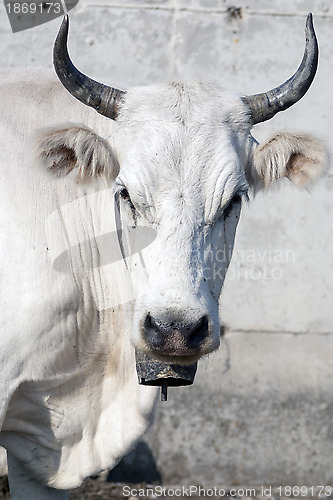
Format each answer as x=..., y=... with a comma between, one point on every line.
x=260, y=411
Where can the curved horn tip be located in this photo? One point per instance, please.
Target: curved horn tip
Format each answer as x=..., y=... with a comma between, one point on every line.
x=309, y=28
x=309, y=21
x=63, y=31
x=64, y=25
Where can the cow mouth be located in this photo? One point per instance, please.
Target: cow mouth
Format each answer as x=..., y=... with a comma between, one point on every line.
x=178, y=353
x=174, y=357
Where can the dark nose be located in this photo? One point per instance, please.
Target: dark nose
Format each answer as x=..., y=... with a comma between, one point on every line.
x=175, y=338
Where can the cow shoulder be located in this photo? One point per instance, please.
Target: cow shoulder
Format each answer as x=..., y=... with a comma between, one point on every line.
x=75, y=148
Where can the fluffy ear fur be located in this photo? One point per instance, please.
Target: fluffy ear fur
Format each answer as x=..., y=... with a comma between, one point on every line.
x=76, y=148
x=302, y=159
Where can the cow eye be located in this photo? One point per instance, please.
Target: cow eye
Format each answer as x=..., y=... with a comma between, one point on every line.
x=231, y=205
x=126, y=197
x=125, y=194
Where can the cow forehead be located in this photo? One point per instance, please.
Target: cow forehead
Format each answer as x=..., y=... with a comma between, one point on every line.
x=191, y=103
x=175, y=156
x=178, y=137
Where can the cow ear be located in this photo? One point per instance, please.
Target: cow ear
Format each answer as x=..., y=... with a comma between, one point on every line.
x=302, y=159
x=75, y=148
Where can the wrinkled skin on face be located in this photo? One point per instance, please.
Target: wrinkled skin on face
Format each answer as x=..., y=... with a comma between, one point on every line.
x=175, y=163
x=183, y=174
x=180, y=158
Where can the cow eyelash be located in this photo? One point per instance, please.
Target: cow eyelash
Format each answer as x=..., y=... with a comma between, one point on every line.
x=125, y=195
x=123, y=192
x=237, y=198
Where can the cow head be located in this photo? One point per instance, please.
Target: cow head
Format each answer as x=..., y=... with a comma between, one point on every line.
x=187, y=160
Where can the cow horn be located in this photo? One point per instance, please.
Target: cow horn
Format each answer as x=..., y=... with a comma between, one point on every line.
x=106, y=100
x=264, y=106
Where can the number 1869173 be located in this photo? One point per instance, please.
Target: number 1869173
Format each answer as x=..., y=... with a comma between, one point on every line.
x=34, y=8
x=305, y=491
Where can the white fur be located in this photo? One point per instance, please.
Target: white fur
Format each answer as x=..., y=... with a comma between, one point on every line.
x=70, y=404
x=300, y=158
x=75, y=147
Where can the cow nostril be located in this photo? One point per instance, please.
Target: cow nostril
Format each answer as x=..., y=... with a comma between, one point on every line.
x=153, y=333
x=199, y=332
x=148, y=321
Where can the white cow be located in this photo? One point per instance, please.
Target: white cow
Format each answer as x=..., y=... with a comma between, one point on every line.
x=175, y=160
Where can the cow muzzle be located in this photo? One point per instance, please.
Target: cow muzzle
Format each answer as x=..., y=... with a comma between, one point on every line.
x=171, y=344
x=177, y=340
